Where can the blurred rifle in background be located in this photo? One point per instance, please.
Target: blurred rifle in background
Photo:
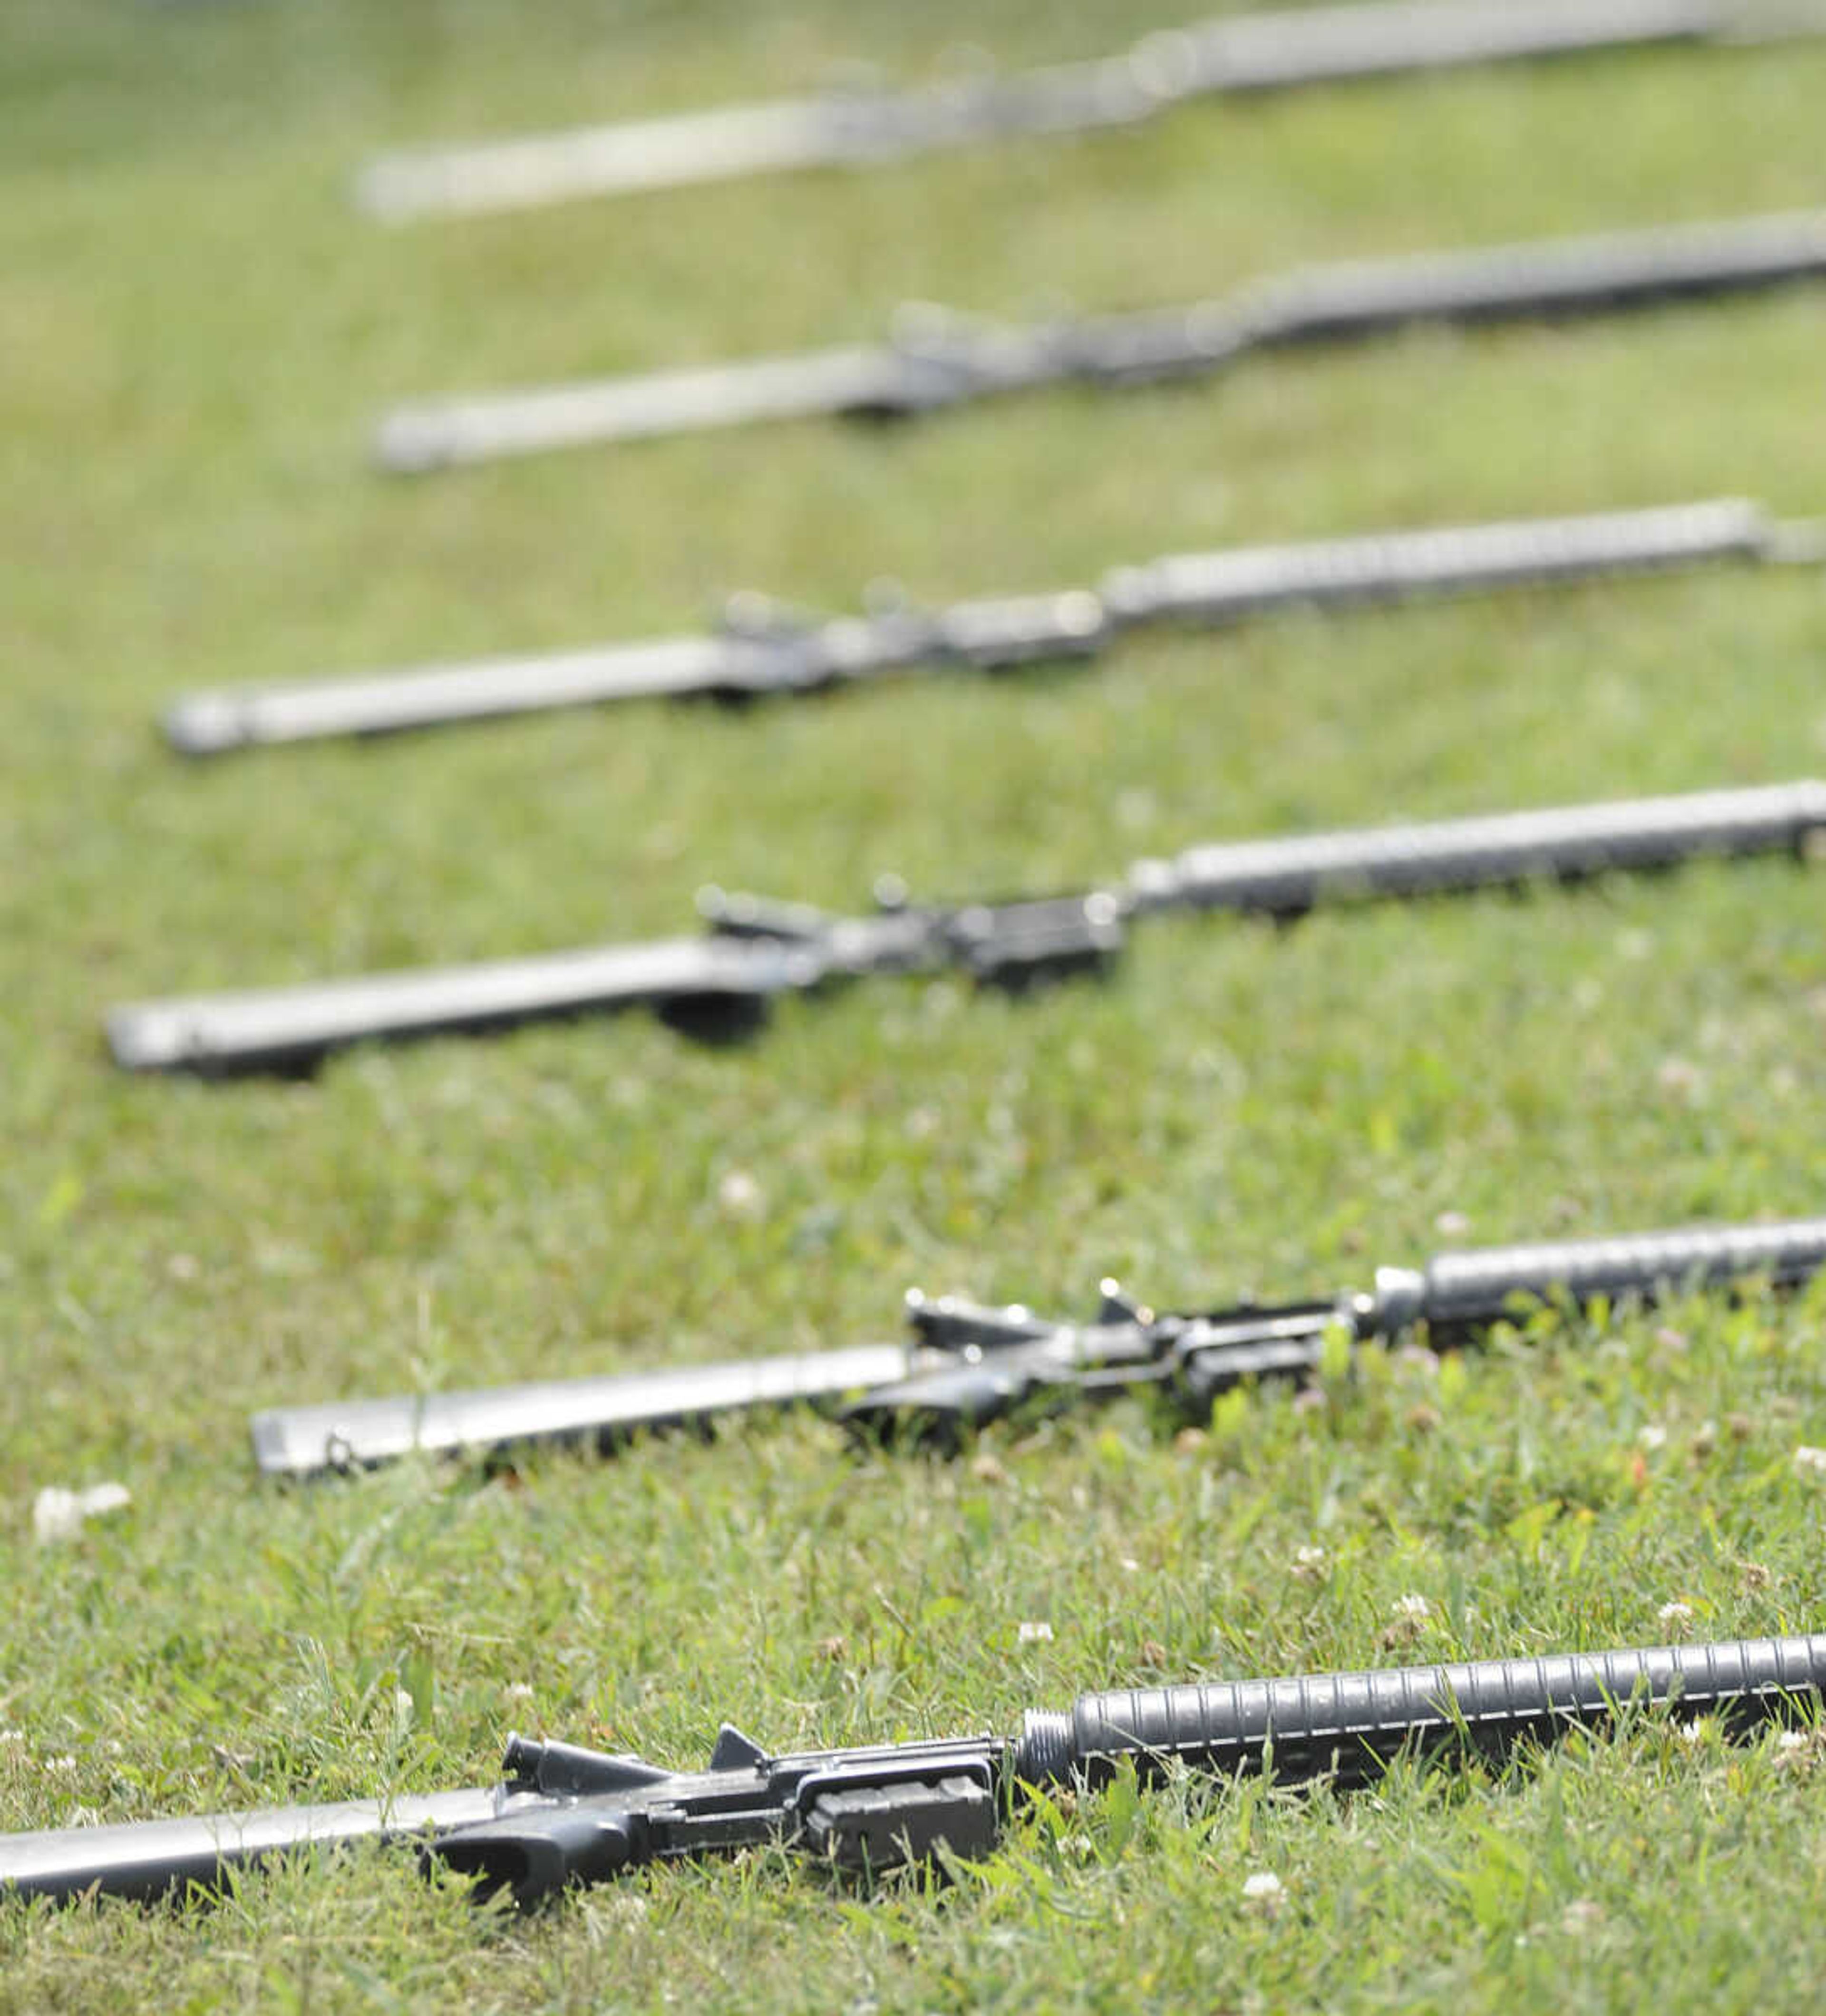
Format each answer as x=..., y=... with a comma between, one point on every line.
x=763, y=648
x=937, y=358
x=858, y=128
x=964, y=1364
x=718, y=985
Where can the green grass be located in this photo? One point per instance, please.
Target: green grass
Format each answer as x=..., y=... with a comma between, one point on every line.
x=194, y=331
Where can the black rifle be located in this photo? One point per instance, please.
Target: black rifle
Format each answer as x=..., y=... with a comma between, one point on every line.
x=938, y=359
x=964, y=1364
x=762, y=648
x=565, y=1816
x=860, y=128
x=719, y=984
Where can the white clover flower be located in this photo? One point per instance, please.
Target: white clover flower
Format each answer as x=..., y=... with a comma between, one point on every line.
x=58, y=1514
x=1806, y=1459
x=1309, y=1564
x=1676, y=1617
x=1797, y=1749
x=1410, y=1620
x=1652, y=1435
x=1034, y=1631
x=1264, y=1890
x=520, y=1691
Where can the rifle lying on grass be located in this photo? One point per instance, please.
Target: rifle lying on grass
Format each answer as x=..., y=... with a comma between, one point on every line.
x=936, y=358
x=763, y=649
x=861, y=128
x=565, y=1816
x=964, y=1364
x=718, y=985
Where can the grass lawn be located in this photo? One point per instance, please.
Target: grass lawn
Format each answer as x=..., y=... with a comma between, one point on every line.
x=196, y=331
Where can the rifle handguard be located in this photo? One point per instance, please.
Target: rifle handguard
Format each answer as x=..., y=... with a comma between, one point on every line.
x=1227, y=586
x=1287, y=877
x=1465, y=1289
x=1541, y=281
x=1350, y=1723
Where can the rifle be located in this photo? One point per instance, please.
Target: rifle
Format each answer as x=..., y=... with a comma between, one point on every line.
x=761, y=649
x=718, y=987
x=859, y=128
x=565, y=1816
x=963, y=1364
x=935, y=358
